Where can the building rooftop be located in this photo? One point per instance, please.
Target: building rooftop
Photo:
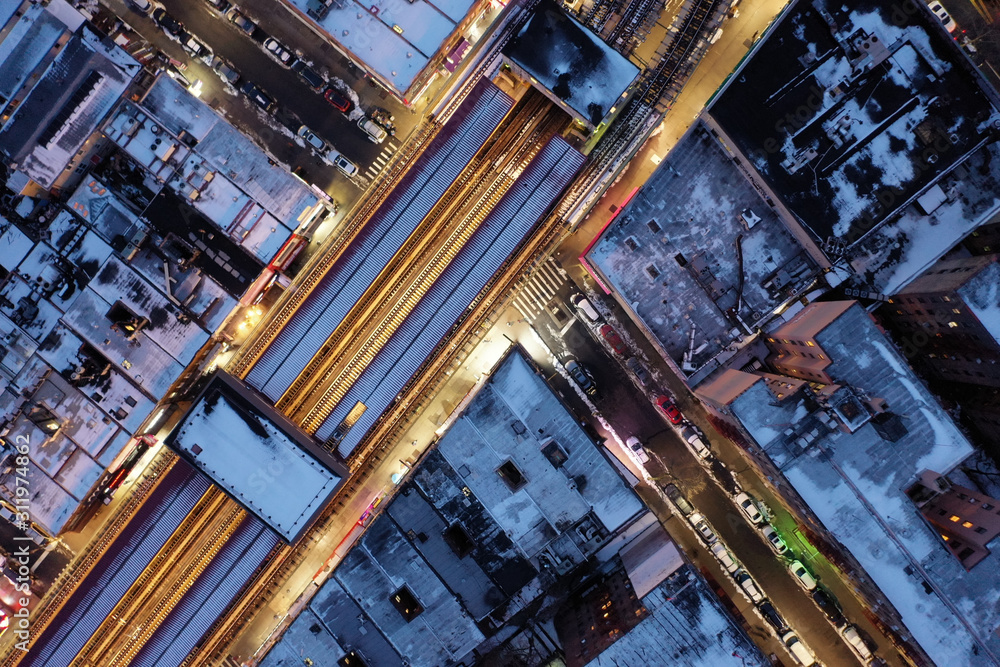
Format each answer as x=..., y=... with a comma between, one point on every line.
x=26, y=45
x=849, y=101
x=573, y=63
x=905, y=246
x=469, y=551
x=982, y=296
x=395, y=39
x=683, y=623
x=229, y=151
x=66, y=105
x=258, y=457
x=550, y=498
x=857, y=487
x=684, y=258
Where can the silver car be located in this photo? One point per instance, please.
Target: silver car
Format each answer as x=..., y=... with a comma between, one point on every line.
x=311, y=138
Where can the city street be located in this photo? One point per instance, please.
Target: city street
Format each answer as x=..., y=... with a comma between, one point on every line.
x=297, y=102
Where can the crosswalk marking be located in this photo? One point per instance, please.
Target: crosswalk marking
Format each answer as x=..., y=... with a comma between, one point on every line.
x=539, y=289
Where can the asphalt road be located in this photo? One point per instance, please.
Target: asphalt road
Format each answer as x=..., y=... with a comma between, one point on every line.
x=629, y=411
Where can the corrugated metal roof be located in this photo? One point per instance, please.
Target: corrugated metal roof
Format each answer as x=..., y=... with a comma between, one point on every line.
x=489, y=246
x=128, y=556
x=435, y=170
x=214, y=590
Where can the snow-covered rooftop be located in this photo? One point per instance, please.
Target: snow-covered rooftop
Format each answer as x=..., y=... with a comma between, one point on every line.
x=26, y=46
x=900, y=250
x=857, y=107
x=683, y=256
x=230, y=152
x=66, y=105
x=685, y=625
x=395, y=38
x=551, y=498
x=857, y=489
x=982, y=296
x=256, y=456
x=573, y=63
x=375, y=569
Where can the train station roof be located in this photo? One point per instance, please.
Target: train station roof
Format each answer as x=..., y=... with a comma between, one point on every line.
x=383, y=235
x=91, y=602
x=488, y=247
x=583, y=73
x=257, y=456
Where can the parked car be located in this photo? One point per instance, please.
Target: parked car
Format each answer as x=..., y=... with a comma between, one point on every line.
x=669, y=409
x=773, y=539
x=725, y=558
x=258, y=96
x=144, y=6
x=194, y=47
x=169, y=24
x=828, y=604
x=943, y=16
x=345, y=166
x=581, y=303
x=749, y=508
x=678, y=499
x=772, y=616
x=338, y=100
x=641, y=374
x=310, y=138
x=614, y=340
x=274, y=47
x=634, y=444
x=800, y=652
x=177, y=76
x=700, y=525
x=581, y=376
x=802, y=575
x=375, y=132
x=242, y=22
x=225, y=70
x=856, y=642
x=693, y=440
x=749, y=586
x=308, y=75
x=221, y=6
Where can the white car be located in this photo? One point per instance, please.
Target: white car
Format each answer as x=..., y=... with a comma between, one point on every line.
x=698, y=521
x=800, y=652
x=749, y=508
x=692, y=438
x=773, y=539
x=580, y=302
x=635, y=445
x=749, y=586
x=802, y=575
x=854, y=640
x=283, y=55
x=346, y=167
x=725, y=558
x=943, y=16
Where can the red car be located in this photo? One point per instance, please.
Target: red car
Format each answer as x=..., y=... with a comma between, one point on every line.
x=338, y=100
x=614, y=340
x=669, y=409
